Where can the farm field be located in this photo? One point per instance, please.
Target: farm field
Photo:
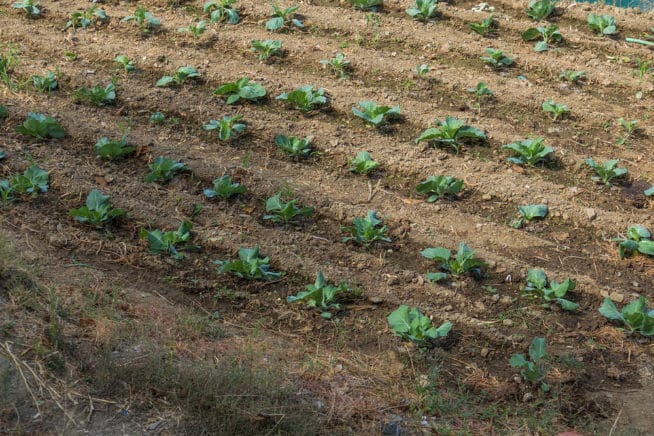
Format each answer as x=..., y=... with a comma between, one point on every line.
x=100, y=334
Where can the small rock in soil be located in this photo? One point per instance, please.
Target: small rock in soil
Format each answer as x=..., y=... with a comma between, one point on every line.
x=375, y=300
x=528, y=396
x=484, y=352
x=507, y=322
x=591, y=214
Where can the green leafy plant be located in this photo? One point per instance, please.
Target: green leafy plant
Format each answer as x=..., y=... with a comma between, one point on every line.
x=630, y=129
x=283, y=18
x=227, y=128
x=649, y=191
x=267, y=48
x=637, y=239
x=304, y=98
x=41, y=127
x=421, y=70
x=375, y=115
x=452, y=132
x=573, y=76
x=486, y=27
x=181, y=75
x=97, y=96
x=367, y=5
x=643, y=67
x=410, y=324
x=280, y=211
x=5, y=192
x=496, y=58
x=163, y=169
x=157, y=118
x=366, y=231
x=92, y=16
x=338, y=64
x=437, y=187
x=423, y=10
x=31, y=8
x=169, y=242
x=602, y=24
x=635, y=316
x=241, y=89
x=529, y=213
x=224, y=188
x=548, y=35
x=321, y=295
x=480, y=91
x=294, y=146
x=143, y=19
x=8, y=61
x=97, y=211
x=195, y=29
x=125, y=63
x=45, y=83
x=607, y=171
x=533, y=370
x=248, y=266
x=113, y=149
x=538, y=286
x=555, y=109
x=221, y=9
x=32, y=181
x=363, y=163
x=4, y=112
x=539, y=10
x=530, y=151
x=463, y=262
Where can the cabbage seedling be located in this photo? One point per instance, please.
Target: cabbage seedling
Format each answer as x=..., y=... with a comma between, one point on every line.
x=367, y=5
x=30, y=7
x=194, y=29
x=97, y=211
x=267, y=48
x=227, y=127
x=113, y=149
x=366, y=231
x=248, y=266
x=32, y=181
x=45, y=83
x=41, y=127
x=157, y=118
x=533, y=370
x=481, y=91
x=453, y=132
x=125, y=63
x=168, y=242
x=294, y=146
x=375, y=115
x=97, y=96
x=283, y=18
x=573, y=76
x=221, y=9
x=5, y=192
x=635, y=316
x=486, y=27
x=639, y=239
x=437, y=187
x=181, y=75
x=421, y=70
x=164, y=169
x=529, y=213
x=602, y=24
x=410, y=324
x=4, y=112
x=549, y=34
x=550, y=291
x=631, y=128
x=321, y=295
x=224, y=188
x=92, y=16
x=556, y=109
x=423, y=10
x=496, y=58
x=539, y=10
x=338, y=64
x=304, y=98
x=363, y=163
x=530, y=151
x=283, y=212
x=649, y=192
x=143, y=19
x=462, y=263
x=642, y=68
x=607, y=171
x=241, y=89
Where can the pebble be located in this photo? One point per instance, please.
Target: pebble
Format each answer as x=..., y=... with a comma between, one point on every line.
x=590, y=213
x=486, y=197
x=507, y=322
x=506, y=300
x=484, y=352
x=376, y=300
x=528, y=396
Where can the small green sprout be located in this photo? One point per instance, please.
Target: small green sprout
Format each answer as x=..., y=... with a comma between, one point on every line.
x=410, y=324
x=305, y=98
x=548, y=35
x=221, y=9
x=143, y=19
x=224, y=188
x=375, y=115
x=97, y=211
x=5, y=192
x=642, y=68
x=367, y=5
x=635, y=316
x=496, y=58
x=45, y=83
x=366, y=231
x=539, y=10
x=423, y=10
x=168, y=242
x=283, y=18
x=421, y=70
x=157, y=118
x=533, y=370
x=463, y=262
x=163, y=169
x=248, y=266
x=196, y=29
x=282, y=212
x=338, y=64
x=481, y=91
x=529, y=213
x=92, y=16
x=125, y=63
x=363, y=163
x=453, y=132
x=607, y=171
x=321, y=295
x=227, y=127
x=97, y=96
x=556, y=109
x=113, y=149
x=437, y=187
x=602, y=24
x=631, y=128
x=486, y=27
x=31, y=8
x=241, y=89
x=530, y=151
x=573, y=76
x=538, y=286
x=41, y=127
x=293, y=146
x=267, y=48
x=181, y=75
x=637, y=239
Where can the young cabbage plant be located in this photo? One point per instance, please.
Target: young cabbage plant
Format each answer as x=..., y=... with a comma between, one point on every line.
x=267, y=48
x=410, y=324
x=556, y=110
x=642, y=68
x=143, y=19
x=282, y=212
x=45, y=83
x=113, y=149
x=5, y=192
x=338, y=64
x=630, y=129
x=452, y=132
x=496, y=58
x=529, y=213
x=181, y=75
x=367, y=5
x=92, y=16
x=436, y=187
x=163, y=169
x=529, y=151
x=126, y=64
x=573, y=76
x=227, y=128
x=548, y=35
x=363, y=163
x=41, y=127
x=539, y=10
x=321, y=295
x=375, y=115
x=283, y=19
x=32, y=8
x=538, y=286
x=635, y=316
x=169, y=242
x=97, y=211
x=305, y=98
x=481, y=91
x=96, y=96
x=221, y=10
x=241, y=89
x=293, y=146
x=157, y=118
x=637, y=239
x=224, y=188
x=32, y=181
x=248, y=266
x=366, y=231
x=463, y=262
x=533, y=370
x=421, y=70
x=486, y=27
x=195, y=29
x=607, y=171
x=423, y=10
x=602, y=24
